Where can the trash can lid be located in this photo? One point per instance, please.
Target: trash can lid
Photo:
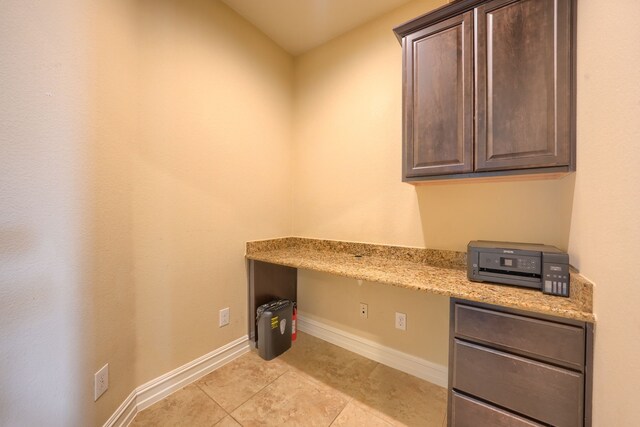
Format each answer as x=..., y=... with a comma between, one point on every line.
x=271, y=306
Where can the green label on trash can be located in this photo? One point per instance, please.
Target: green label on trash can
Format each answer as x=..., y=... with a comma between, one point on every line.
x=274, y=322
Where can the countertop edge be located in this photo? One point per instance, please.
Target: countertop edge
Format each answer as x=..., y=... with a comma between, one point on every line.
x=367, y=273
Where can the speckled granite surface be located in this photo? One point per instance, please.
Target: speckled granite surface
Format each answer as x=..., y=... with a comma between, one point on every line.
x=429, y=270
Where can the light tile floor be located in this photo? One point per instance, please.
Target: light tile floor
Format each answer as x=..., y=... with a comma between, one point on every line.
x=313, y=384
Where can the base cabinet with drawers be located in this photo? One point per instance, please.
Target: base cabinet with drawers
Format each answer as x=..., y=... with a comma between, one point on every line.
x=514, y=368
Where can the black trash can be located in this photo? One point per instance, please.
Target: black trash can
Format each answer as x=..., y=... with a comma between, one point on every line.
x=273, y=323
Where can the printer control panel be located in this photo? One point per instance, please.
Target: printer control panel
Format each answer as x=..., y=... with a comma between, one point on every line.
x=555, y=279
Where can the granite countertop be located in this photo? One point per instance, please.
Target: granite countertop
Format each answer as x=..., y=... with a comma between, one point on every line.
x=429, y=270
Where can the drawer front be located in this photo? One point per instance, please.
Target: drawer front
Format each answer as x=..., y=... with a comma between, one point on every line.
x=555, y=342
x=468, y=412
x=546, y=393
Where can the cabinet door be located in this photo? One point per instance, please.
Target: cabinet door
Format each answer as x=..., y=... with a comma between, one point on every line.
x=523, y=84
x=438, y=115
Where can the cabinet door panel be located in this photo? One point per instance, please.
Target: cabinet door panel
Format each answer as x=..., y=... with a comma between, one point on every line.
x=523, y=84
x=438, y=116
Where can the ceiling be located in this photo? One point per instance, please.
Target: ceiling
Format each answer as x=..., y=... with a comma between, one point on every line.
x=300, y=25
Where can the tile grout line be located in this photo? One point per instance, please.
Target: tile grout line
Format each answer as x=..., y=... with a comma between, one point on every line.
x=197, y=383
x=341, y=411
x=267, y=385
x=245, y=401
x=213, y=400
x=352, y=399
x=254, y=394
x=234, y=419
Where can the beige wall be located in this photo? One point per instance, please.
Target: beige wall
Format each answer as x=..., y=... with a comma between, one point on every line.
x=211, y=170
x=143, y=142
x=605, y=225
x=335, y=301
x=131, y=179
x=347, y=186
x=46, y=304
x=110, y=288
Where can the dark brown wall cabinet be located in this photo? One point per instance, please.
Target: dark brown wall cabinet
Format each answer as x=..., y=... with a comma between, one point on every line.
x=489, y=89
x=509, y=367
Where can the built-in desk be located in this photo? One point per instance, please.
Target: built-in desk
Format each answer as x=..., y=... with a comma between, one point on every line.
x=426, y=270
x=543, y=342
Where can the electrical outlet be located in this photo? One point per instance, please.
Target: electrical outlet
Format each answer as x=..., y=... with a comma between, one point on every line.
x=224, y=317
x=401, y=321
x=100, y=382
x=364, y=310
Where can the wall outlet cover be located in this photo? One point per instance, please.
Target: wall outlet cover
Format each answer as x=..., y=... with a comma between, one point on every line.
x=364, y=310
x=401, y=321
x=224, y=317
x=101, y=382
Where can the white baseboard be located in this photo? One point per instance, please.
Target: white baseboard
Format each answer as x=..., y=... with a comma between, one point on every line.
x=159, y=388
x=125, y=413
x=421, y=368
